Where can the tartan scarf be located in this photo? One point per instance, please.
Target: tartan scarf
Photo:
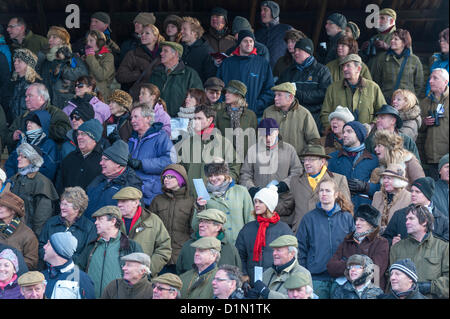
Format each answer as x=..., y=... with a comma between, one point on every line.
x=8, y=230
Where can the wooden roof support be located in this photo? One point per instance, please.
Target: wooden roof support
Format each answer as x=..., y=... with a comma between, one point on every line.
x=253, y=8
x=319, y=23
x=42, y=17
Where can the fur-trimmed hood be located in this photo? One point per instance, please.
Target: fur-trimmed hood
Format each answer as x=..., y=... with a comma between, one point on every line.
x=410, y=114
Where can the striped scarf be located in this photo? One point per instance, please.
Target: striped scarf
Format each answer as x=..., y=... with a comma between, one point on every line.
x=8, y=230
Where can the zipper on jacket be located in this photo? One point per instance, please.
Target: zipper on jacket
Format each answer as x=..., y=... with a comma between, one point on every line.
x=329, y=235
x=103, y=267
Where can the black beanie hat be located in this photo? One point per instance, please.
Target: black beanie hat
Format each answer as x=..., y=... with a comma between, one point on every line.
x=84, y=110
x=306, y=45
x=426, y=186
x=369, y=213
x=243, y=34
x=218, y=11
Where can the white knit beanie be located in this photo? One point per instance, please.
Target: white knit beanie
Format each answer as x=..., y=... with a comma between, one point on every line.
x=342, y=113
x=2, y=175
x=269, y=196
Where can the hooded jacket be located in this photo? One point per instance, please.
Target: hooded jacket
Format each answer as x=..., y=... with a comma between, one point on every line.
x=319, y=236
x=412, y=122
x=254, y=71
x=155, y=151
x=175, y=208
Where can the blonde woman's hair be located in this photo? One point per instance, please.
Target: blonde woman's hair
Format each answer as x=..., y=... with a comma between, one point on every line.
x=196, y=26
x=155, y=31
x=408, y=96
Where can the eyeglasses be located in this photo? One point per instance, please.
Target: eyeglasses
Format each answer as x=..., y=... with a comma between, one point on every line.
x=355, y=267
x=220, y=279
x=75, y=117
x=80, y=85
x=159, y=288
x=10, y=26
x=168, y=177
x=206, y=221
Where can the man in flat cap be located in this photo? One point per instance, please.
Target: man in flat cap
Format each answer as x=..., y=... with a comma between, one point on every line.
x=167, y=286
x=135, y=282
x=101, y=258
x=116, y=174
x=298, y=286
x=144, y=227
x=64, y=279
x=208, y=223
x=311, y=78
x=297, y=123
x=284, y=264
x=363, y=97
x=380, y=42
x=197, y=282
x=173, y=77
x=32, y=285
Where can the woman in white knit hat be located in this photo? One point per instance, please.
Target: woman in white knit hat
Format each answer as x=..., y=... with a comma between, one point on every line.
x=332, y=140
x=252, y=241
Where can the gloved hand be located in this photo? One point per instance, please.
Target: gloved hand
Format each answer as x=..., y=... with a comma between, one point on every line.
x=252, y=294
x=358, y=186
x=253, y=190
x=114, y=136
x=262, y=289
x=134, y=163
x=282, y=187
x=425, y=287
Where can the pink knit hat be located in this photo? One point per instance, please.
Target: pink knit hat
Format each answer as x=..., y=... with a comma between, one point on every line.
x=180, y=179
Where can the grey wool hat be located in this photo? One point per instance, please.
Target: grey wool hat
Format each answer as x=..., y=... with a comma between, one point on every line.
x=239, y=24
x=118, y=152
x=406, y=266
x=33, y=154
x=93, y=128
x=273, y=6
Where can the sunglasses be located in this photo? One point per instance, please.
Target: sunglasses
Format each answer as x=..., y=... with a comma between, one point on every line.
x=80, y=85
x=75, y=117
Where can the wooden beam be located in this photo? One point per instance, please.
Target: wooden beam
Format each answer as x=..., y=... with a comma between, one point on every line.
x=253, y=8
x=42, y=17
x=319, y=23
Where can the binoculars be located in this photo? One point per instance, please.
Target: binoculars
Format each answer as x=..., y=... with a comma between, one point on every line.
x=434, y=115
x=371, y=48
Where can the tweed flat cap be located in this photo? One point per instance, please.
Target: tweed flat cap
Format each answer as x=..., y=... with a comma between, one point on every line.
x=207, y=243
x=213, y=214
x=169, y=279
x=283, y=241
x=31, y=278
x=128, y=192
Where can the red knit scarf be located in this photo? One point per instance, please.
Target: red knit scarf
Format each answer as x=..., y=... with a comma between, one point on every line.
x=260, y=241
x=135, y=218
x=206, y=131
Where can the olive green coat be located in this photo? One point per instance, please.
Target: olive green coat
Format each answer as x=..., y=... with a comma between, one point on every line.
x=386, y=69
x=197, y=287
x=431, y=259
x=101, y=67
x=436, y=143
x=364, y=103
x=32, y=42
x=385, y=37
x=337, y=74
x=297, y=126
x=120, y=289
x=150, y=233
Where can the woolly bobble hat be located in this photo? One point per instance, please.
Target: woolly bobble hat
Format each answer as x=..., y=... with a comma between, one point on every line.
x=93, y=128
x=12, y=201
x=306, y=45
x=269, y=124
x=26, y=56
x=84, y=110
x=8, y=254
x=64, y=244
x=406, y=266
x=269, y=196
x=33, y=154
x=239, y=24
x=369, y=213
x=180, y=180
x=342, y=113
x=102, y=16
x=60, y=33
x=273, y=6
x=122, y=98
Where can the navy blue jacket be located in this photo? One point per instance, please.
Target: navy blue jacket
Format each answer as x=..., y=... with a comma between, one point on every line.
x=272, y=36
x=341, y=163
x=319, y=236
x=261, y=50
x=102, y=190
x=440, y=197
x=255, y=72
x=50, y=152
x=83, y=230
x=198, y=57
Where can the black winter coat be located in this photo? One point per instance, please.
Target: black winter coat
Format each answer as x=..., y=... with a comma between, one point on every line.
x=311, y=84
x=272, y=36
x=397, y=225
x=198, y=57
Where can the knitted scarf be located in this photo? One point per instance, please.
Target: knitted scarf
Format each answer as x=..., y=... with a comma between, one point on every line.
x=235, y=115
x=360, y=236
x=355, y=152
x=27, y=170
x=34, y=137
x=305, y=64
x=260, y=241
x=405, y=293
x=8, y=230
x=314, y=180
x=219, y=190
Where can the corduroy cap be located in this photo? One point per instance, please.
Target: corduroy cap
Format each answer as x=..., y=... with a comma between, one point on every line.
x=118, y=152
x=285, y=87
x=284, y=241
x=145, y=18
x=176, y=46
x=306, y=45
x=297, y=280
x=169, y=279
x=207, y=243
x=214, y=215
x=406, y=266
x=31, y=278
x=108, y=210
x=236, y=87
x=128, y=192
x=426, y=185
x=141, y=258
x=388, y=12
x=12, y=201
x=351, y=58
